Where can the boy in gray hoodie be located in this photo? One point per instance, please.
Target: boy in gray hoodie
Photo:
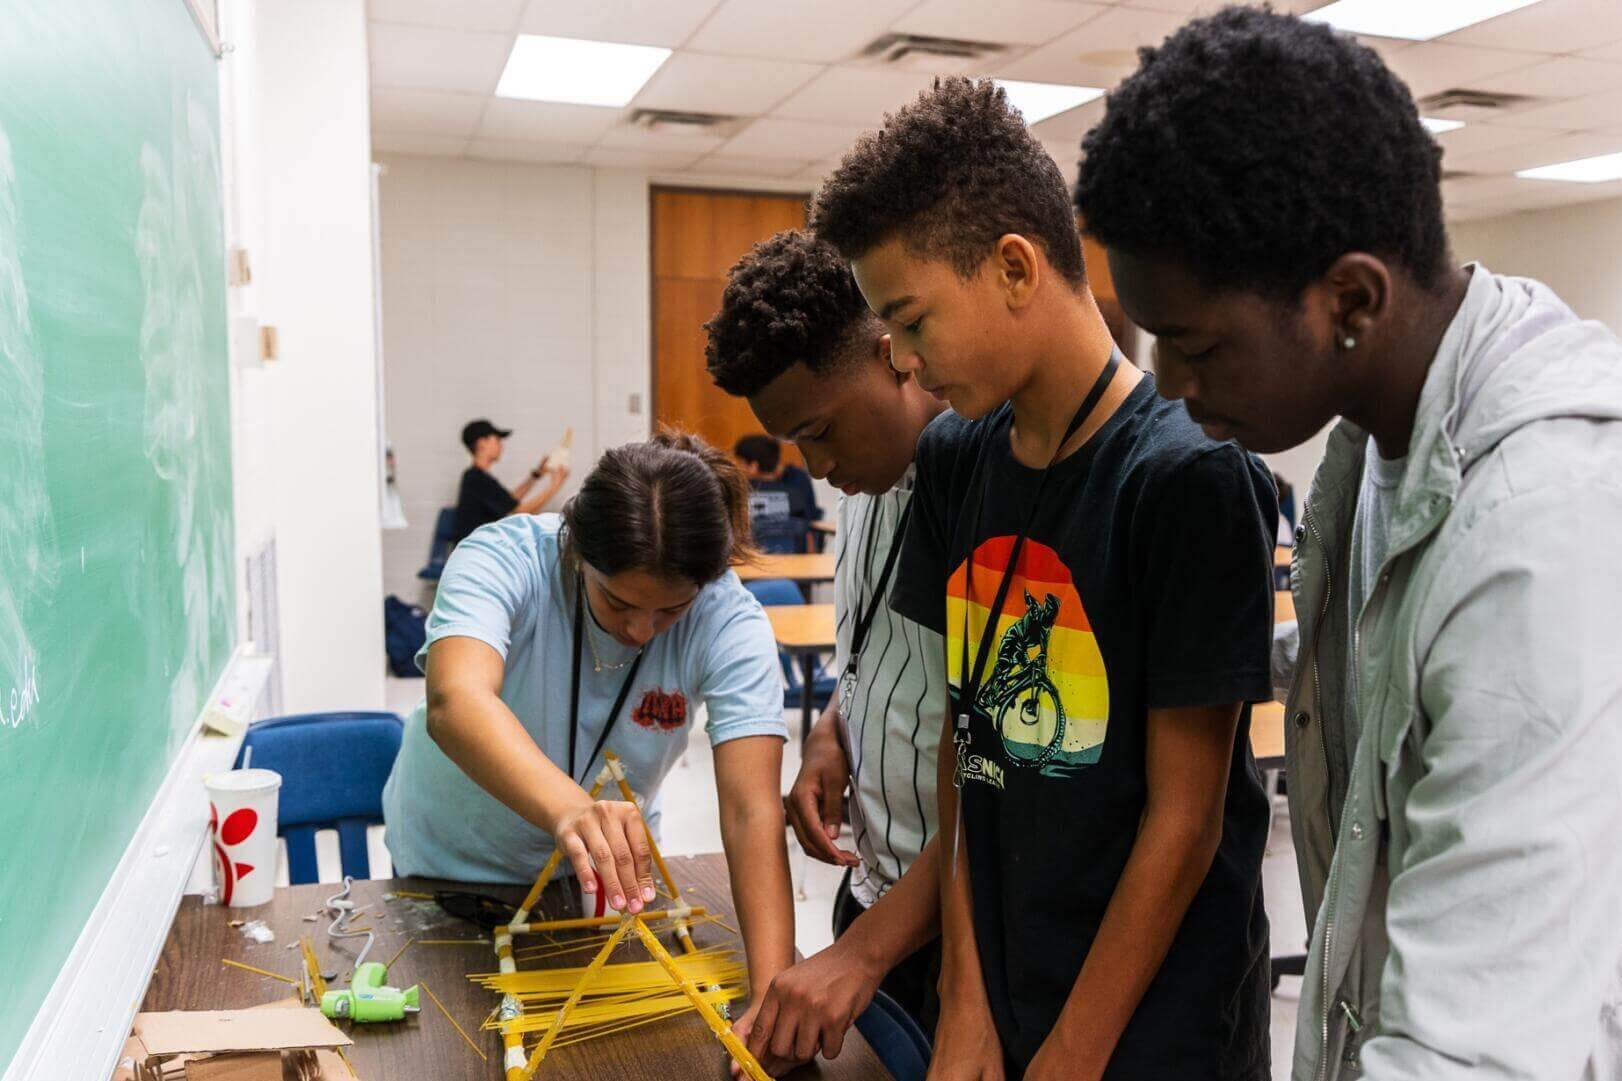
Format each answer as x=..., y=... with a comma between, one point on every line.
x=1272, y=209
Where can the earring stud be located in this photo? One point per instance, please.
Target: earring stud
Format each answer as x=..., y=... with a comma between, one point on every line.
x=1349, y=342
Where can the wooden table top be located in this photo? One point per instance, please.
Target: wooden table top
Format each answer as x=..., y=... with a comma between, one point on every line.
x=189, y=976
x=1281, y=555
x=1267, y=734
x=802, y=627
x=823, y=525
x=810, y=567
x=1283, y=606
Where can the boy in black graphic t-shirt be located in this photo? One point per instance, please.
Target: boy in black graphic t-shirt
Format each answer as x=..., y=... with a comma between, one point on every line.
x=1102, y=574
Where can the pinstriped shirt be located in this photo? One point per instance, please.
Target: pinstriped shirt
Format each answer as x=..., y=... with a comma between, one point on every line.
x=899, y=702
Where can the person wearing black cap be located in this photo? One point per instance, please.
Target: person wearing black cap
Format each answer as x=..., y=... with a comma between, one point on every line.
x=482, y=498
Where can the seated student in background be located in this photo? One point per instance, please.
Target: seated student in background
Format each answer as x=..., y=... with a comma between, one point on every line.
x=554, y=637
x=1271, y=204
x=1102, y=574
x=782, y=502
x=795, y=337
x=482, y=498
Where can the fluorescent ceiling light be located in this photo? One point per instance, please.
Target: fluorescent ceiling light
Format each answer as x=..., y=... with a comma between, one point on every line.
x=1416, y=20
x=1038, y=101
x=1436, y=125
x=1582, y=171
x=577, y=72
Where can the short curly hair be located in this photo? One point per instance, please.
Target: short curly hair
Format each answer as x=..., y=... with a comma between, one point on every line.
x=952, y=171
x=1255, y=149
x=790, y=300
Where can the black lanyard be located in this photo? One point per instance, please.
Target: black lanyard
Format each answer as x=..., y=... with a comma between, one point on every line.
x=574, y=689
x=864, y=622
x=970, y=688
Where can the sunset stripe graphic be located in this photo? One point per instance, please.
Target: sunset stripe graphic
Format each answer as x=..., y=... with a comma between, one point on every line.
x=1075, y=666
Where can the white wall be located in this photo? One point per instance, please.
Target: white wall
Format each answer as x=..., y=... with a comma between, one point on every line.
x=1572, y=249
x=296, y=111
x=514, y=292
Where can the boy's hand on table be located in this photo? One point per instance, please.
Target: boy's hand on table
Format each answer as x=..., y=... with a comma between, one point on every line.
x=611, y=836
x=810, y=1007
x=814, y=803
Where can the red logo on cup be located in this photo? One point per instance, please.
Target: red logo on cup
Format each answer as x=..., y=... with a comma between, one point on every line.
x=665, y=710
x=238, y=827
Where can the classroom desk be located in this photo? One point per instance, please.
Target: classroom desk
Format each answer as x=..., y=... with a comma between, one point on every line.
x=1283, y=606
x=823, y=525
x=189, y=976
x=1267, y=734
x=1281, y=556
x=807, y=568
x=803, y=630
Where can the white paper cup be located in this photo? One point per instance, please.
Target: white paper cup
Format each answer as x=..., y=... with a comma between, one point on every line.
x=242, y=830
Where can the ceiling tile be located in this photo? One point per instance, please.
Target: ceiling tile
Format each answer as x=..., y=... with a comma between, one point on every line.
x=613, y=157
x=1611, y=52
x=1579, y=114
x=821, y=31
x=509, y=118
x=730, y=85
x=430, y=112
x=1480, y=137
x=630, y=137
x=770, y=137
x=430, y=59
x=1101, y=52
x=1009, y=22
x=736, y=165
x=1552, y=26
x=501, y=15
x=635, y=22
x=1071, y=125
x=1560, y=77
x=859, y=96
x=1431, y=66
x=519, y=150
x=1535, y=152
x=417, y=143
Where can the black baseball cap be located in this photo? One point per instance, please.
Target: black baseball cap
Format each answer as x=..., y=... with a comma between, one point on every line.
x=478, y=429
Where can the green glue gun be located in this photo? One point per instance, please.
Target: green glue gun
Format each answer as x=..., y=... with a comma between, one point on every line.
x=367, y=999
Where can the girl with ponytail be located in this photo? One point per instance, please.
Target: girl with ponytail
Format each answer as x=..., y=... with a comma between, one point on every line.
x=556, y=637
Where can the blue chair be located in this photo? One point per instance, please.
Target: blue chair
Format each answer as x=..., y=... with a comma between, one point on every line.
x=895, y=1038
x=333, y=767
x=439, y=549
x=781, y=591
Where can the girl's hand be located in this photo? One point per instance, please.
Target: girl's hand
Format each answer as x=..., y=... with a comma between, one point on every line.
x=612, y=837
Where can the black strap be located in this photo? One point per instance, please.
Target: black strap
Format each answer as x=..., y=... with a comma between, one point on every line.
x=864, y=622
x=970, y=687
x=574, y=690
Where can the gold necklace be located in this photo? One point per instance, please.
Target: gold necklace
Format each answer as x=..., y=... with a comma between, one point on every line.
x=597, y=664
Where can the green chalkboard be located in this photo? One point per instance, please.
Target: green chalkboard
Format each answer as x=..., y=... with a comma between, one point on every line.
x=116, y=566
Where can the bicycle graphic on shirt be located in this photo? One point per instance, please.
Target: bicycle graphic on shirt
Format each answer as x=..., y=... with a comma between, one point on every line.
x=1020, y=697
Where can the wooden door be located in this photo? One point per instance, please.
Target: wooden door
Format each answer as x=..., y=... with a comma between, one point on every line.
x=697, y=236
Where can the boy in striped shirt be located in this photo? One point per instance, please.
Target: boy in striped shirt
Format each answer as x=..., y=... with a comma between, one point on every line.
x=795, y=338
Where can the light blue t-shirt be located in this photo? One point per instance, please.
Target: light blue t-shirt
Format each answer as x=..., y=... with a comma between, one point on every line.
x=503, y=586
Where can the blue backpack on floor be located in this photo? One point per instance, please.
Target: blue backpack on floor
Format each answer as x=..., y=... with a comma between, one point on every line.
x=405, y=629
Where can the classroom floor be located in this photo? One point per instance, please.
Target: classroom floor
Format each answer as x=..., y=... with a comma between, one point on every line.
x=690, y=827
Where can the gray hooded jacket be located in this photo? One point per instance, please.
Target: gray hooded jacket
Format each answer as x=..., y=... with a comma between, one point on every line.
x=1466, y=865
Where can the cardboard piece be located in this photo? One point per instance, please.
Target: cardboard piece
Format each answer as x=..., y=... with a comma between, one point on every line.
x=260, y=1044
x=180, y=1031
